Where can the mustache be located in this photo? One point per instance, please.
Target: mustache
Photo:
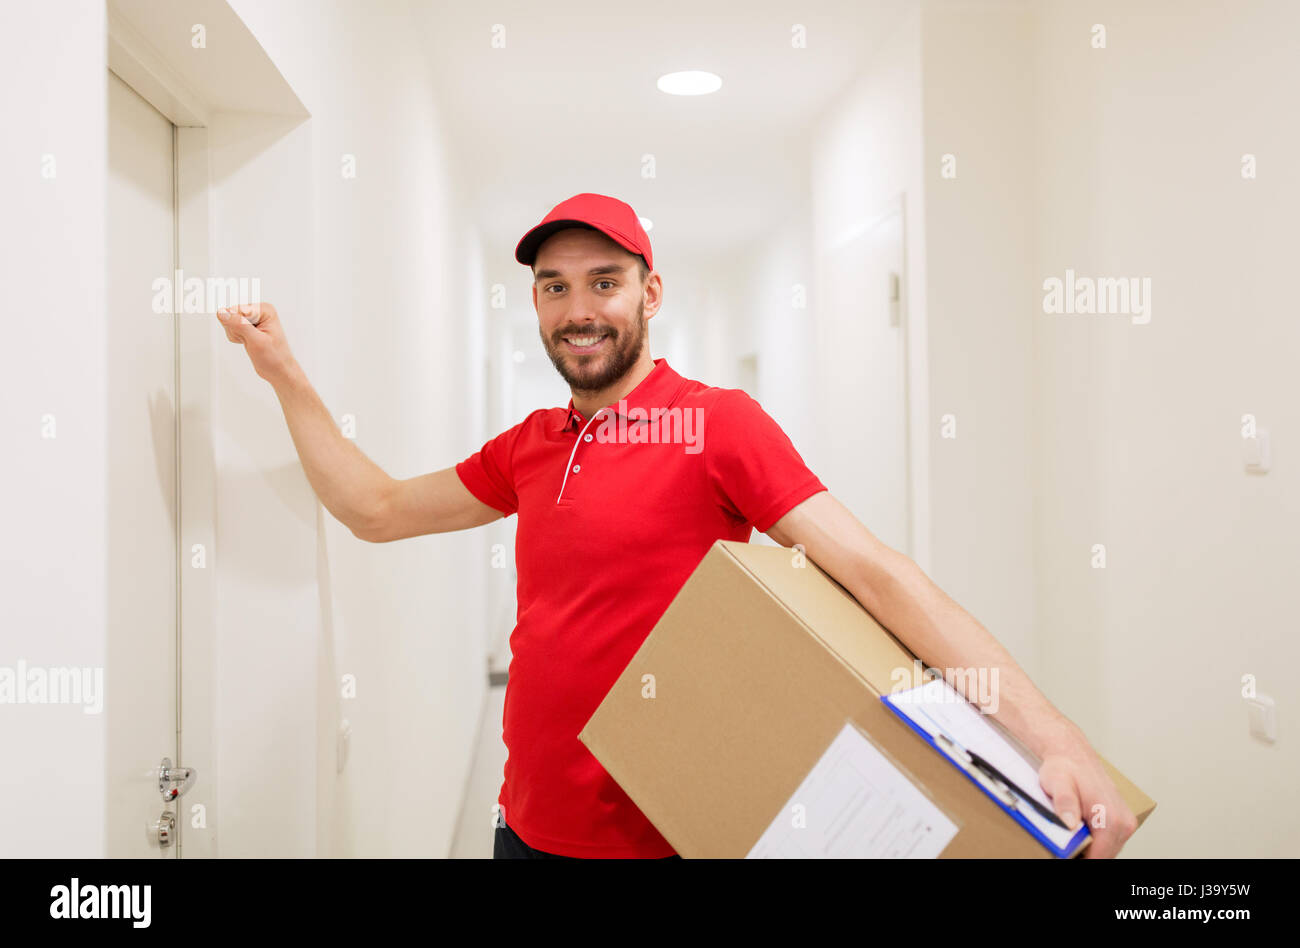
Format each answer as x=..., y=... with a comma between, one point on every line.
x=579, y=331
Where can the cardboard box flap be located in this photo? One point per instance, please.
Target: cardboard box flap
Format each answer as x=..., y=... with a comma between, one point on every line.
x=838, y=621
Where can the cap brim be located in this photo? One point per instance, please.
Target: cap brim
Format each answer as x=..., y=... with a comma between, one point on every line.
x=526, y=250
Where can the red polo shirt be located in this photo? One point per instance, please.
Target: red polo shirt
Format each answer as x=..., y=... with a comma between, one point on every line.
x=615, y=512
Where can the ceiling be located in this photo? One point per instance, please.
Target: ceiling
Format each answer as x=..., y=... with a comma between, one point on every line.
x=569, y=104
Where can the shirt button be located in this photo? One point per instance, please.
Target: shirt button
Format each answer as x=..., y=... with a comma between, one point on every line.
x=587, y=438
x=577, y=468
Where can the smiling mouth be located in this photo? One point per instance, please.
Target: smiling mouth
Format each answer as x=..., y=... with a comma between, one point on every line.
x=583, y=345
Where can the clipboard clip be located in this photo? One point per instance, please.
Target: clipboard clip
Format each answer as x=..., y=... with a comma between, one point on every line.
x=996, y=787
x=998, y=784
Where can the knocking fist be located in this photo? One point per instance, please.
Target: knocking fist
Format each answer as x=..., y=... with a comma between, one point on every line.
x=257, y=327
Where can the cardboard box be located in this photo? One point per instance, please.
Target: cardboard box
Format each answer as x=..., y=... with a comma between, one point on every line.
x=757, y=665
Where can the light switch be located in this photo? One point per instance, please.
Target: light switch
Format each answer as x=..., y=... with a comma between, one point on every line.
x=1258, y=452
x=344, y=742
x=1263, y=718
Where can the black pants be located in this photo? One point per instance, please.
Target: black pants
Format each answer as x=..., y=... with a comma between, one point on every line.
x=508, y=845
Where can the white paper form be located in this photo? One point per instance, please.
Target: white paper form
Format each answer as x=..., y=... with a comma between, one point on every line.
x=937, y=706
x=856, y=804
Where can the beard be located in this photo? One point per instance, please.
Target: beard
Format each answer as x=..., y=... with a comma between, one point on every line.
x=597, y=372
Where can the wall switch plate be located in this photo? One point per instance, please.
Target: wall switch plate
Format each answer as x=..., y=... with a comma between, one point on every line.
x=1263, y=718
x=344, y=743
x=1258, y=452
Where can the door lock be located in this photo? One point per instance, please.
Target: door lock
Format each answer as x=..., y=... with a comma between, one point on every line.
x=164, y=830
x=173, y=781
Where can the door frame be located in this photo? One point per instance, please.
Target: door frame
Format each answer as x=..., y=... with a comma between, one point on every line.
x=133, y=39
x=135, y=62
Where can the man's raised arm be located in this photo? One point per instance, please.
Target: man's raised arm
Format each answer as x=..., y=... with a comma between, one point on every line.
x=360, y=495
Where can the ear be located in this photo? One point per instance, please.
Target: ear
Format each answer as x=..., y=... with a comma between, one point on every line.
x=654, y=294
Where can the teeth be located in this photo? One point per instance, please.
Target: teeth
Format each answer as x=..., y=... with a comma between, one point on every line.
x=584, y=340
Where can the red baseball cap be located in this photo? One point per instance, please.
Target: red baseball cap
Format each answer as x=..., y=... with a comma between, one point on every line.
x=608, y=215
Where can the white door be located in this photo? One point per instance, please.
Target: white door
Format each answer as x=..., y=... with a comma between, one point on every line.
x=863, y=369
x=140, y=431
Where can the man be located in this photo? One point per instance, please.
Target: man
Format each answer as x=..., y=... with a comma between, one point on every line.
x=614, y=517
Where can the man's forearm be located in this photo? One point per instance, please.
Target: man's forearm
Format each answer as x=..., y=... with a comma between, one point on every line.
x=942, y=634
x=348, y=483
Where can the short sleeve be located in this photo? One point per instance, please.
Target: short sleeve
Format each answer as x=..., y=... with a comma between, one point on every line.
x=754, y=469
x=488, y=473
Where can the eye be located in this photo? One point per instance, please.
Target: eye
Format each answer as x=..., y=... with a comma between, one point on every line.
x=610, y=282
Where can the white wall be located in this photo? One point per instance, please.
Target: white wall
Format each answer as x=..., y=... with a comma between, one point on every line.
x=393, y=338
x=866, y=151
x=778, y=332
x=268, y=608
x=723, y=330
x=926, y=93
x=1078, y=430
x=751, y=310
x=1081, y=430
x=1139, y=152
x=52, y=556
x=370, y=278
x=977, y=95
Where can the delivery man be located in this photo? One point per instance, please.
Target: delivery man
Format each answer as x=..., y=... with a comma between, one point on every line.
x=619, y=496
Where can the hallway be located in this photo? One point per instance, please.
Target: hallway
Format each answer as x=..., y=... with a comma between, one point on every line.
x=1013, y=278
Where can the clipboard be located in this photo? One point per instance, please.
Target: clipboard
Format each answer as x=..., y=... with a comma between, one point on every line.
x=910, y=706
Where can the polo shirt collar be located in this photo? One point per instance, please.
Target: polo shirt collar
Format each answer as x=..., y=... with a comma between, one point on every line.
x=659, y=389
